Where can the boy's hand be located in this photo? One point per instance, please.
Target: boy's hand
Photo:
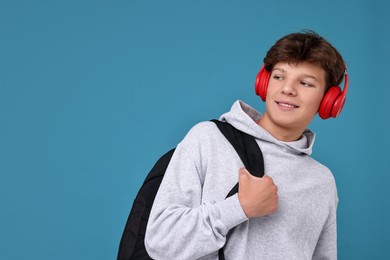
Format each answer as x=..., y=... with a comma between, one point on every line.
x=258, y=196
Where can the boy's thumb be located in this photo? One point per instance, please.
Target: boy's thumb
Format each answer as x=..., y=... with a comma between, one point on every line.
x=244, y=173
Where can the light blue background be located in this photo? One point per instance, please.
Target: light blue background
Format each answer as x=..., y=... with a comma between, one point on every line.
x=93, y=92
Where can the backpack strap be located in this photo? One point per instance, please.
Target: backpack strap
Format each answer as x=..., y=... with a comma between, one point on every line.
x=245, y=146
x=248, y=151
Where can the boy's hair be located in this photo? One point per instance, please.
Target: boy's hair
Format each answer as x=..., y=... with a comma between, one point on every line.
x=310, y=47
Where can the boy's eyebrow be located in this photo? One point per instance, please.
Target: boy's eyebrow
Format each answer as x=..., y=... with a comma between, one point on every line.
x=280, y=69
x=311, y=76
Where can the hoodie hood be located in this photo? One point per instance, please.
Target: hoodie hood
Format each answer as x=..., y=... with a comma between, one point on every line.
x=244, y=117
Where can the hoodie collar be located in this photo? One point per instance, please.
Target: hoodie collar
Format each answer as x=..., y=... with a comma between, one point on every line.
x=244, y=117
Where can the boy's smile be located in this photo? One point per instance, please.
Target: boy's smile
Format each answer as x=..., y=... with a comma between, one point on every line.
x=285, y=105
x=294, y=94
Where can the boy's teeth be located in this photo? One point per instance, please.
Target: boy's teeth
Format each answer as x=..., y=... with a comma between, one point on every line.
x=286, y=105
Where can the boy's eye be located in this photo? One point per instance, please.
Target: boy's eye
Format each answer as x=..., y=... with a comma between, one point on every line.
x=307, y=84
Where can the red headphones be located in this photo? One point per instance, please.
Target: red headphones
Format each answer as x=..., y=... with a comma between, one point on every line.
x=331, y=105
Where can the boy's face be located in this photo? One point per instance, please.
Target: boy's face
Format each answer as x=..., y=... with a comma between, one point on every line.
x=294, y=94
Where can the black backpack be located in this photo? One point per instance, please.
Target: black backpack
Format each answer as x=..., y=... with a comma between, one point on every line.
x=132, y=242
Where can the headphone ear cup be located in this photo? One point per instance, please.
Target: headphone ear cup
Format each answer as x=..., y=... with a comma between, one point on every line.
x=331, y=103
x=261, y=84
x=338, y=105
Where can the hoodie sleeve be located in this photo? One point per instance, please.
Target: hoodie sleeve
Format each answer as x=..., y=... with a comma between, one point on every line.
x=326, y=248
x=180, y=225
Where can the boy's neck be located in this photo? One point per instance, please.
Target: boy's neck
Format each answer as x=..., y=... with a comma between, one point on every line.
x=280, y=133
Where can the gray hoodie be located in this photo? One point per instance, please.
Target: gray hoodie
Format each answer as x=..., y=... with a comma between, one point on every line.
x=191, y=219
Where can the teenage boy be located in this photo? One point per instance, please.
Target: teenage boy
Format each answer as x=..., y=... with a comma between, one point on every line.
x=290, y=213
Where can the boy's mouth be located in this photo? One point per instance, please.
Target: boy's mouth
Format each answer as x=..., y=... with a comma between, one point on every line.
x=286, y=104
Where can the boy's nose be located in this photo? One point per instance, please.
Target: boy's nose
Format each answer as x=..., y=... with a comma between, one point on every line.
x=289, y=89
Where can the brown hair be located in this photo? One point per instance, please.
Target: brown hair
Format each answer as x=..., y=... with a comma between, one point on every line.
x=307, y=46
